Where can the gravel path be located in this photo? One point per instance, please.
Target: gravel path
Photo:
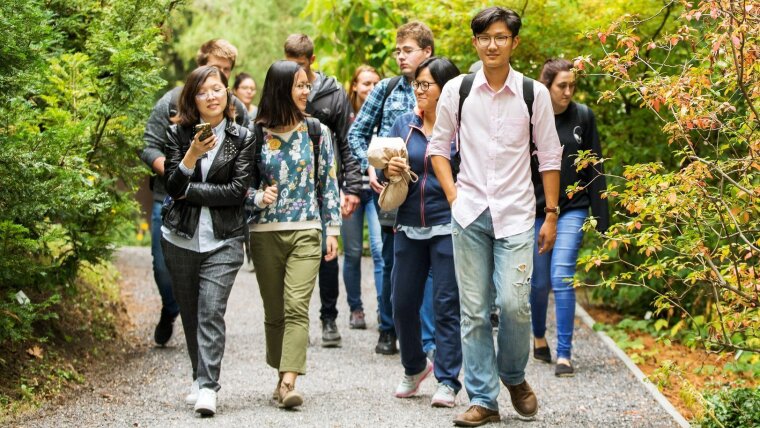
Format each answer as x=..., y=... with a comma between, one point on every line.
x=346, y=387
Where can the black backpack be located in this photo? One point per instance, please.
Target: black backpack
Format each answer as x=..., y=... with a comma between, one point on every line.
x=315, y=135
x=528, y=97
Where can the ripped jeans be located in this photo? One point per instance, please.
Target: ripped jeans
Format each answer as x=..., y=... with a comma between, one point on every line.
x=507, y=263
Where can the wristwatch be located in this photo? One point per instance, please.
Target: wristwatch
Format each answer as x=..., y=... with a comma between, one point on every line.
x=554, y=210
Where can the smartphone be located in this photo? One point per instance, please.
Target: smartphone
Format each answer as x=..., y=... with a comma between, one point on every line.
x=205, y=129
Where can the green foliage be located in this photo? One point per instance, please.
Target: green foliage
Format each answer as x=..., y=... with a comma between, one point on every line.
x=690, y=234
x=257, y=29
x=77, y=90
x=732, y=407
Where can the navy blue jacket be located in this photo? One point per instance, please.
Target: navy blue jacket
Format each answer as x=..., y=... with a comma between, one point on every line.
x=426, y=203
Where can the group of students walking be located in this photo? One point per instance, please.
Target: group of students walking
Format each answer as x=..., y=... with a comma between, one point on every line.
x=486, y=226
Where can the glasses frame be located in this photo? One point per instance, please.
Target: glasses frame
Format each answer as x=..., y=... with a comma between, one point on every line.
x=424, y=86
x=397, y=53
x=216, y=93
x=495, y=40
x=302, y=86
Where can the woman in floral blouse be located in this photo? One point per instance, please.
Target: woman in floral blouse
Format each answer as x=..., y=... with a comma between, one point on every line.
x=293, y=204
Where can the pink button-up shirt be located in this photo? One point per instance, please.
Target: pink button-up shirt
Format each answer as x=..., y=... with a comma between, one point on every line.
x=495, y=168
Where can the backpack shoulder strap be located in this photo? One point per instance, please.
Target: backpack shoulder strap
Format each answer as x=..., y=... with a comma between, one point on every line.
x=464, y=92
x=388, y=89
x=315, y=135
x=258, y=143
x=529, y=98
x=583, y=116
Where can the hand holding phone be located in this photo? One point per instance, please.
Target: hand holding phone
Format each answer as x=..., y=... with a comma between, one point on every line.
x=204, y=129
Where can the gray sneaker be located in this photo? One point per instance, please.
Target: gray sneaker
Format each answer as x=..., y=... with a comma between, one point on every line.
x=411, y=384
x=330, y=335
x=444, y=396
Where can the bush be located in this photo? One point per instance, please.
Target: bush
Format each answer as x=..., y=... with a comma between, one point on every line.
x=78, y=79
x=732, y=407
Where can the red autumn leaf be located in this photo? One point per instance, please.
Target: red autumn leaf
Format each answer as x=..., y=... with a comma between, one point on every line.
x=602, y=37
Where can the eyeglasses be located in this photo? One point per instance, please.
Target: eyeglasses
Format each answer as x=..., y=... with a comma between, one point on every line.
x=424, y=86
x=216, y=93
x=302, y=86
x=485, y=41
x=406, y=51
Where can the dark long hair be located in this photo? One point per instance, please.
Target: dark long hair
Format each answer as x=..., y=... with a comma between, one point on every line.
x=188, y=110
x=240, y=78
x=277, y=107
x=440, y=67
x=551, y=69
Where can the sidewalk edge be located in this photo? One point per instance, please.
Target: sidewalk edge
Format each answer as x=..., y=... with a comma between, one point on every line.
x=612, y=346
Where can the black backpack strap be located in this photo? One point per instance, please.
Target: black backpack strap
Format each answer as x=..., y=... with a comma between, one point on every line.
x=529, y=98
x=258, y=143
x=464, y=92
x=388, y=89
x=315, y=135
x=583, y=116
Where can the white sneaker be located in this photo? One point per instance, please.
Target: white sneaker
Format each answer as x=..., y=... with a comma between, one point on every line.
x=444, y=396
x=206, y=404
x=411, y=384
x=192, y=397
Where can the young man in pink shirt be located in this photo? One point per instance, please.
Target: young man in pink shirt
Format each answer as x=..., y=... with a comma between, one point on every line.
x=493, y=209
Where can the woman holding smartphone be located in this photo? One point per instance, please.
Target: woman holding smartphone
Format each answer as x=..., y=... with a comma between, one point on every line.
x=204, y=224
x=296, y=198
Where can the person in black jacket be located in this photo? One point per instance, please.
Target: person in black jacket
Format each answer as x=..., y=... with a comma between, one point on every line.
x=329, y=103
x=222, y=55
x=555, y=269
x=204, y=221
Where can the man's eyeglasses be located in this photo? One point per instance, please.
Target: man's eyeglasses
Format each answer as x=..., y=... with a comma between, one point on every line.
x=484, y=41
x=302, y=86
x=406, y=51
x=424, y=86
x=216, y=93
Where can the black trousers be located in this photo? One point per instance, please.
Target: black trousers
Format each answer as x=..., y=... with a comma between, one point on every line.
x=328, y=288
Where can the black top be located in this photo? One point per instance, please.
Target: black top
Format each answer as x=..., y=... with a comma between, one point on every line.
x=575, y=135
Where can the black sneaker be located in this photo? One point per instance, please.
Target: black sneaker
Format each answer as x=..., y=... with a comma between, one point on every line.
x=164, y=328
x=386, y=344
x=564, y=370
x=330, y=335
x=542, y=354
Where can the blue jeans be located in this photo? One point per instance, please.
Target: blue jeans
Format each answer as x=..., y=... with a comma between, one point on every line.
x=416, y=259
x=508, y=262
x=160, y=271
x=555, y=270
x=384, y=305
x=352, y=231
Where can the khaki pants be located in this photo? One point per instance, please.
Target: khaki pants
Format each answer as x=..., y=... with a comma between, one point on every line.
x=287, y=263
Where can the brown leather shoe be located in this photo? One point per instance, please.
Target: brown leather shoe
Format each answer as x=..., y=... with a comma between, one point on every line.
x=476, y=416
x=523, y=399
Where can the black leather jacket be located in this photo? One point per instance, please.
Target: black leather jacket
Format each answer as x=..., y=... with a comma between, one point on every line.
x=224, y=190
